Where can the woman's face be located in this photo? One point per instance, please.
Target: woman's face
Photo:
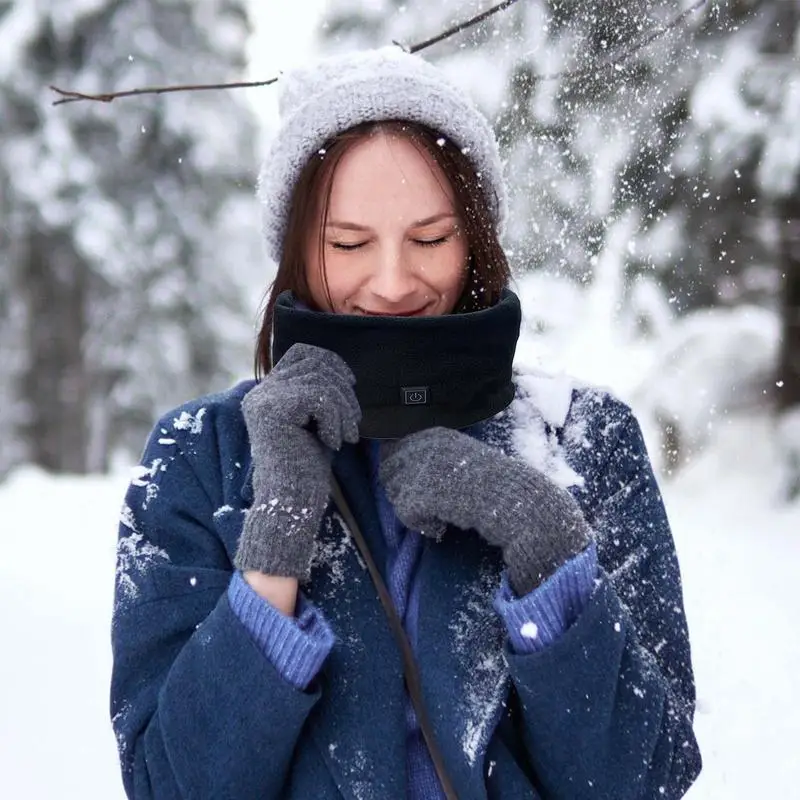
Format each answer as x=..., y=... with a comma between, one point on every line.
x=393, y=243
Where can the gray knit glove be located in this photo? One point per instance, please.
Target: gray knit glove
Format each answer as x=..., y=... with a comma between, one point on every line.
x=440, y=476
x=302, y=411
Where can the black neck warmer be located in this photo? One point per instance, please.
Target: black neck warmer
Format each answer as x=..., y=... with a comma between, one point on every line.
x=414, y=373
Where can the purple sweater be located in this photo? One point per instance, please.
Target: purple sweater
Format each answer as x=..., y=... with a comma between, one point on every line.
x=297, y=646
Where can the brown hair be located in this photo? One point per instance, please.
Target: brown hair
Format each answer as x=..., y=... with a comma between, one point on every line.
x=489, y=272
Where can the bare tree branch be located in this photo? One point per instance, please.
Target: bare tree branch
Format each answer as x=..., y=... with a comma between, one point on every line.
x=462, y=26
x=74, y=97
x=69, y=96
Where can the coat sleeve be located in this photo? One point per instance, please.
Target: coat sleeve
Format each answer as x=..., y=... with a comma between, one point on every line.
x=198, y=710
x=607, y=709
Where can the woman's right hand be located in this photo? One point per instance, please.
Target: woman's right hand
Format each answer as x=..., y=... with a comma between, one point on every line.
x=301, y=412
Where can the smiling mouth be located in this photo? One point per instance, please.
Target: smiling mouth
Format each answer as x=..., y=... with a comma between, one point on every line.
x=415, y=313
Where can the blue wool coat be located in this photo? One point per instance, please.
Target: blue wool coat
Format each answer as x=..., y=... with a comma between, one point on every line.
x=603, y=713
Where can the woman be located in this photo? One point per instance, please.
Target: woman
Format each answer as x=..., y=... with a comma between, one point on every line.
x=535, y=644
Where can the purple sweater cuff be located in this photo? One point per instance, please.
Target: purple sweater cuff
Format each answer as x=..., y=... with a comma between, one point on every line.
x=296, y=646
x=536, y=620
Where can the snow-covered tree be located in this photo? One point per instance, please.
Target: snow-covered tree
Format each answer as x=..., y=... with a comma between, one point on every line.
x=743, y=136
x=693, y=136
x=584, y=140
x=130, y=235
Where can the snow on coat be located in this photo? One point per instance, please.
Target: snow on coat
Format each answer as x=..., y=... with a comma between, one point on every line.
x=604, y=712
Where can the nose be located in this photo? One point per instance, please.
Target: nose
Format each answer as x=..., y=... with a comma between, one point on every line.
x=394, y=279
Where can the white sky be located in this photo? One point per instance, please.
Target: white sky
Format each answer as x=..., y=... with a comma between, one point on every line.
x=284, y=31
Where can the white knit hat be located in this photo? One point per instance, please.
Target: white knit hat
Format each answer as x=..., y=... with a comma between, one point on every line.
x=330, y=96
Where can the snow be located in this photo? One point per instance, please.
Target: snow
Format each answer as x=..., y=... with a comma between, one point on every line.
x=727, y=356
x=190, y=422
x=531, y=439
x=530, y=630
x=739, y=553
x=332, y=549
x=475, y=631
x=56, y=588
x=737, y=538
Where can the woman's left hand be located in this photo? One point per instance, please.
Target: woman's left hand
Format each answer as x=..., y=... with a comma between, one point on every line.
x=441, y=476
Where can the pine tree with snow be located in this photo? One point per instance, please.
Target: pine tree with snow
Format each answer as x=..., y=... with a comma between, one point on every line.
x=687, y=145
x=579, y=135
x=129, y=228
x=742, y=137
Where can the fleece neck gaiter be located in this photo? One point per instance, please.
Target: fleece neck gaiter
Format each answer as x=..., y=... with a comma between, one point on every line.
x=414, y=373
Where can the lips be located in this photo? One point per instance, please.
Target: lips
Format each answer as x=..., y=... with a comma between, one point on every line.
x=417, y=312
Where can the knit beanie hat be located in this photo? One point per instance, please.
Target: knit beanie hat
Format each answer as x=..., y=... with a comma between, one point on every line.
x=330, y=96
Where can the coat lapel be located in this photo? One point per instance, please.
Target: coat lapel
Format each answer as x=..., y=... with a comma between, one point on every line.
x=464, y=673
x=359, y=723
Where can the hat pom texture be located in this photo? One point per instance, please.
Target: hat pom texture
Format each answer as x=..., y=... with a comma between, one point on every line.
x=330, y=96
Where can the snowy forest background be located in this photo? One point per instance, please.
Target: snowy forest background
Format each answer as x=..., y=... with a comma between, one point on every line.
x=669, y=181
x=654, y=234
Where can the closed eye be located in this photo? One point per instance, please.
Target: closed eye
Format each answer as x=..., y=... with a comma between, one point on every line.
x=349, y=247
x=432, y=242
x=346, y=246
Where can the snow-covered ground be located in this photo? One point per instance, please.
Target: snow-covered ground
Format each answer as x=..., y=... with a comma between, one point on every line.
x=740, y=554
x=56, y=587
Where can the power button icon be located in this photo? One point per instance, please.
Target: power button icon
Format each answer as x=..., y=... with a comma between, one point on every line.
x=415, y=395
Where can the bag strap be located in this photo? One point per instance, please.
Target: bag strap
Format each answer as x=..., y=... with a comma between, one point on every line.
x=410, y=670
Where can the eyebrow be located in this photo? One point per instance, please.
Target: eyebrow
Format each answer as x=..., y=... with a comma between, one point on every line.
x=420, y=223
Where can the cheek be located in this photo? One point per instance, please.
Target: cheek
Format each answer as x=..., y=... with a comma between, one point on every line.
x=447, y=271
x=327, y=278
x=343, y=276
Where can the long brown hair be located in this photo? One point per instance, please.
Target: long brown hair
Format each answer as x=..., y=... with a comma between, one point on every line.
x=489, y=272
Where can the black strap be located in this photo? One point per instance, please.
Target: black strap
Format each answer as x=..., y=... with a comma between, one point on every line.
x=413, y=682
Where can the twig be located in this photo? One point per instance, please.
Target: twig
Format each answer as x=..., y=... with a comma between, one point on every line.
x=108, y=97
x=75, y=97
x=462, y=26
